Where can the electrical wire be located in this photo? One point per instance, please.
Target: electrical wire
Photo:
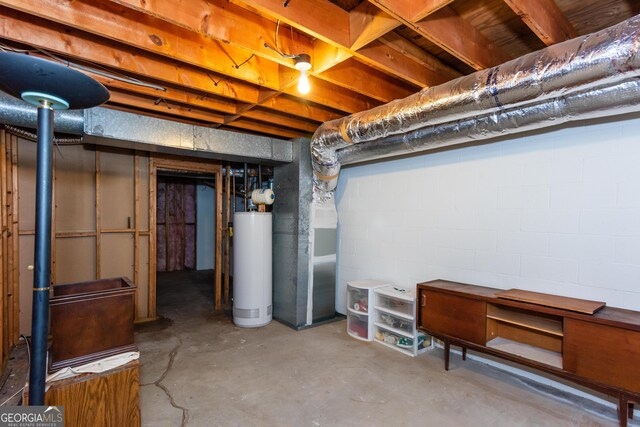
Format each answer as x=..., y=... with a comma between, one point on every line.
x=277, y=48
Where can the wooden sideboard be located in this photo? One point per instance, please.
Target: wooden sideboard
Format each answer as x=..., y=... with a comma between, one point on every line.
x=600, y=351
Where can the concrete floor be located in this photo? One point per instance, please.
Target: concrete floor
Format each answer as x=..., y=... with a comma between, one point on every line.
x=198, y=369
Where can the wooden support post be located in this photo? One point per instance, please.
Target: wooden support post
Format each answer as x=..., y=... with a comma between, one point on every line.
x=3, y=248
x=167, y=226
x=218, y=266
x=15, y=235
x=136, y=233
x=153, y=182
x=227, y=235
x=54, y=276
x=98, y=219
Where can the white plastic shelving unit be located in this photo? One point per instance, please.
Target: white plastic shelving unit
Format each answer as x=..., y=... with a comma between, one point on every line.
x=394, y=319
x=360, y=302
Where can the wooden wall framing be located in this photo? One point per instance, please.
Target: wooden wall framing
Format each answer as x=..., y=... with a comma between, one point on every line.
x=166, y=163
x=9, y=253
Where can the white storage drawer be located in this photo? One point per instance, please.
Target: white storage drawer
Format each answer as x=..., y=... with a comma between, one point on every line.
x=395, y=306
x=394, y=320
x=394, y=323
x=360, y=303
x=358, y=326
x=358, y=300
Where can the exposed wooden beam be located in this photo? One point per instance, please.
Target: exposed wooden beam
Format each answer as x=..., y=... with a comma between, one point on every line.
x=352, y=72
x=59, y=39
x=164, y=107
x=280, y=120
x=54, y=37
x=394, y=57
x=423, y=8
x=193, y=47
x=301, y=109
x=331, y=49
x=412, y=52
x=171, y=95
x=450, y=31
x=143, y=32
x=264, y=128
x=227, y=22
x=324, y=93
x=545, y=19
x=367, y=23
x=320, y=18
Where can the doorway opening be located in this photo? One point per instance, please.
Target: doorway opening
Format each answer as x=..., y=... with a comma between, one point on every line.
x=186, y=216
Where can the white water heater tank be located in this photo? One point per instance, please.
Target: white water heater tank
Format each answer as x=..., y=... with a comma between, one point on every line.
x=252, y=282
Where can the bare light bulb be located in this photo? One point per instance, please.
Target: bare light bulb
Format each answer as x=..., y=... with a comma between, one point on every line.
x=303, y=83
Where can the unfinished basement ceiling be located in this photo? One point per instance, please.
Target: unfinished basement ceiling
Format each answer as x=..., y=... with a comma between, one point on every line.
x=210, y=55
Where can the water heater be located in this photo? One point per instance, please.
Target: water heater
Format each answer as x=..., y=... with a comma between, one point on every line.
x=252, y=283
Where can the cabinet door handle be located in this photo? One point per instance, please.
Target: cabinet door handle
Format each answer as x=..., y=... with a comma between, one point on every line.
x=423, y=300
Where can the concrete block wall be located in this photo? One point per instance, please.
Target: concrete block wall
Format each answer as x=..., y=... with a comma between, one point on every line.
x=554, y=211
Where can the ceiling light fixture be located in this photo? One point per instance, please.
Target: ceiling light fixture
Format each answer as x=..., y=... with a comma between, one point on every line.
x=303, y=64
x=301, y=61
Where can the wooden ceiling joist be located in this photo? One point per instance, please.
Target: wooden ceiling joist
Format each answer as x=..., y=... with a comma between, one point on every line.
x=126, y=26
x=228, y=64
x=164, y=107
x=348, y=73
x=545, y=19
x=340, y=49
x=448, y=30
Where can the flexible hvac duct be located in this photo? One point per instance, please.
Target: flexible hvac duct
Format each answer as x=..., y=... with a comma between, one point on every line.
x=585, y=77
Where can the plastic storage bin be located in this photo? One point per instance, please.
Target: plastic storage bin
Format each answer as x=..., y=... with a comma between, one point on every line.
x=360, y=303
x=395, y=321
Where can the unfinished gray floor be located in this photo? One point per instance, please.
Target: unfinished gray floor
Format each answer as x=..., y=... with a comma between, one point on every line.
x=198, y=369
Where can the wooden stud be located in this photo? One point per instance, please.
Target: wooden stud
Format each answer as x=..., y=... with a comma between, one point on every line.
x=10, y=240
x=151, y=308
x=4, y=288
x=98, y=214
x=53, y=219
x=15, y=235
x=218, y=266
x=136, y=233
x=227, y=235
x=70, y=234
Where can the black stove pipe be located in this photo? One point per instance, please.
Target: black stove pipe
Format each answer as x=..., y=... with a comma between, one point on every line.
x=42, y=257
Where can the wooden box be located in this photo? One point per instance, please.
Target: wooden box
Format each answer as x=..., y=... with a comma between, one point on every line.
x=91, y=321
x=106, y=399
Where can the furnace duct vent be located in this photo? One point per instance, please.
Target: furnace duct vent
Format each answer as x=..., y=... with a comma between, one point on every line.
x=587, y=77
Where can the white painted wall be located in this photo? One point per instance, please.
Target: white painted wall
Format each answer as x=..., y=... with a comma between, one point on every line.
x=554, y=211
x=205, y=227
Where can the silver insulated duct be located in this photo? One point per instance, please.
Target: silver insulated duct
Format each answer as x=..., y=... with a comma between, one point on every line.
x=590, y=76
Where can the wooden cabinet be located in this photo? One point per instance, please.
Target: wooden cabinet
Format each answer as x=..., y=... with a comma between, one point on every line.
x=454, y=315
x=599, y=350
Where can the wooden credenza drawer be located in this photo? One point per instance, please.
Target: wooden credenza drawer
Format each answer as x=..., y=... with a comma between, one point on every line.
x=464, y=318
x=602, y=353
